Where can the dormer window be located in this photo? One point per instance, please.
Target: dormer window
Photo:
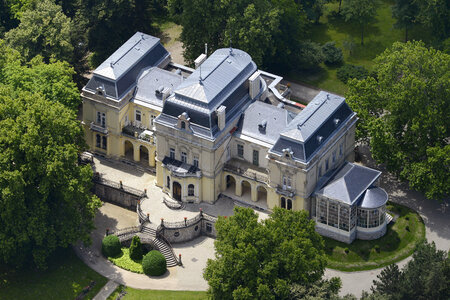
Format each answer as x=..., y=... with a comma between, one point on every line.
x=100, y=90
x=288, y=152
x=183, y=125
x=336, y=122
x=319, y=139
x=183, y=121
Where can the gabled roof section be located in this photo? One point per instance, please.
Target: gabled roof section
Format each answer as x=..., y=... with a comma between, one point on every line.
x=217, y=76
x=119, y=73
x=264, y=122
x=348, y=183
x=126, y=56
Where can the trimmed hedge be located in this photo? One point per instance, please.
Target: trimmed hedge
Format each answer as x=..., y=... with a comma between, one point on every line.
x=111, y=246
x=333, y=55
x=136, y=248
x=348, y=71
x=154, y=263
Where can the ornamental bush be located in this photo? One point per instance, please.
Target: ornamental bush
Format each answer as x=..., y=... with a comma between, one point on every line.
x=136, y=248
x=348, y=71
x=332, y=54
x=111, y=246
x=154, y=263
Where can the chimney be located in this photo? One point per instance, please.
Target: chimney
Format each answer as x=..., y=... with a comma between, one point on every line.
x=199, y=60
x=221, y=117
x=165, y=93
x=254, y=83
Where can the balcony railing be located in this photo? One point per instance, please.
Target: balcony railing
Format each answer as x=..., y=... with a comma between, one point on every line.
x=285, y=190
x=246, y=170
x=138, y=133
x=98, y=128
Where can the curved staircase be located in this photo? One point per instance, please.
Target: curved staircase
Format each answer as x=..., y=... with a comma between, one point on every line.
x=161, y=245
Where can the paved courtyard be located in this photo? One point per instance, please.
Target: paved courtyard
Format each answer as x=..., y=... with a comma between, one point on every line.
x=436, y=216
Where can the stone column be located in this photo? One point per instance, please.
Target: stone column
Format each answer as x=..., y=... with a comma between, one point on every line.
x=238, y=189
x=136, y=155
x=254, y=192
x=151, y=158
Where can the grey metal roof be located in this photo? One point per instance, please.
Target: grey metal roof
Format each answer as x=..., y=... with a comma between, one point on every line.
x=117, y=74
x=313, y=126
x=313, y=116
x=126, y=56
x=374, y=197
x=348, y=183
x=224, y=77
x=264, y=122
x=152, y=82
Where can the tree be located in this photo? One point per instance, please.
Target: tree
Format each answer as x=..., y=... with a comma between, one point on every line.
x=45, y=199
x=269, y=30
x=136, y=248
x=426, y=276
x=405, y=11
x=361, y=12
x=110, y=23
x=435, y=14
x=404, y=115
x=44, y=30
x=263, y=259
x=53, y=80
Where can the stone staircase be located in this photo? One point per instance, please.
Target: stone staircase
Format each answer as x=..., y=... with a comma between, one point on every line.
x=161, y=245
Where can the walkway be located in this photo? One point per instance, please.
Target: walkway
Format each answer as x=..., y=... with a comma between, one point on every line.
x=106, y=290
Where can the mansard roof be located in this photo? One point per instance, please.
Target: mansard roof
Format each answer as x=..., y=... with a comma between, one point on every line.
x=221, y=80
x=119, y=72
x=348, y=183
x=313, y=126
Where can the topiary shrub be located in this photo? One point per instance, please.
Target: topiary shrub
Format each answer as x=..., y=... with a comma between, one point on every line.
x=136, y=248
x=154, y=263
x=332, y=54
x=348, y=71
x=346, y=250
x=111, y=246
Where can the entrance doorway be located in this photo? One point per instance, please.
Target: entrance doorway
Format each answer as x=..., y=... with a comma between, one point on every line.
x=176, y=191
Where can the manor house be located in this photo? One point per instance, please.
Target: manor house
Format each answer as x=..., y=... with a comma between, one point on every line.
x=223, y=128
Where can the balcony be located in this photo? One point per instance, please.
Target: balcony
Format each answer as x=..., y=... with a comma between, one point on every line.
x=245, y=169
x=139, y=133
x=180, y=169
x=285, y=190
x=98, y=128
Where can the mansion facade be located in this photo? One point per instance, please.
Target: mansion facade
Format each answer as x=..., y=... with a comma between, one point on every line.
x=223, y=129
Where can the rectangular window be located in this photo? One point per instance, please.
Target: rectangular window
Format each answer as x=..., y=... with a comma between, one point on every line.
x=172, y=153
x=341, y=149
x=287, y=182
x=104, y=142
x=138, y=116
x=320, y=170
x=326, y=165
x=256, y=157
x=183, y=157
x=334, y=156
x=101, y=119
x=195, y=161
x=208, y=227
x=98, y=141
x=152, y=120
x=240, y=150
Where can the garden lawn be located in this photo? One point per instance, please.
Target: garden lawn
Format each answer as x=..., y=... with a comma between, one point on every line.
x=157, y=294
x=125, y=262
x=65, y=278
x=400, y=241
x=377, y=37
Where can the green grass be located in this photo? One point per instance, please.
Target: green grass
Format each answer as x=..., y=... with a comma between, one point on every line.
x=157, y=294
x=65, y=278
x=397, y=244
x=125, y=262
x=378, y=36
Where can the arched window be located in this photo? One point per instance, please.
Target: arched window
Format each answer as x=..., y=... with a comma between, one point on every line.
x=289, y=204
x=283, y=202
x=168, y=182
x=183, y=125
x=191, y=190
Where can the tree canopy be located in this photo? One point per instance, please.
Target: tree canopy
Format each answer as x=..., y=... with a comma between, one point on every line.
x=361, y=12
x=45, y=199
x=406, y=12
x=404, y=115
x=264, y=259
x=426, y=276
x=52, y=80
x=269, y=30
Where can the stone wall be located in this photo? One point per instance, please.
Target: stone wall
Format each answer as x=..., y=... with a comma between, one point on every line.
x=371, y=233
x=336, y=234
x=190, y=229
x=117, y=194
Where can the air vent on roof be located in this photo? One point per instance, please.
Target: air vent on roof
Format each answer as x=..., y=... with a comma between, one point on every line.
x=262, y=126
x=336, y=122
x=319, y=139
